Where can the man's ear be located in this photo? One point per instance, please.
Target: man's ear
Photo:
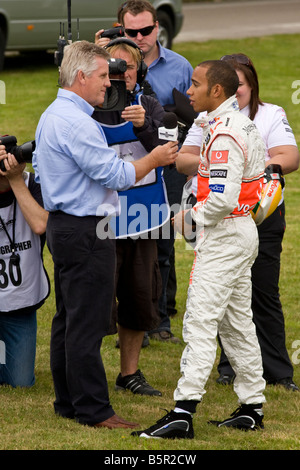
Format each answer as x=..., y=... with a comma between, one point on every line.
x=217, y=90
x=81, y=76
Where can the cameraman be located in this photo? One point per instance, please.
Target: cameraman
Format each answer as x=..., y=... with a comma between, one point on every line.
x=133, y=132
x=167, y=71
x=24, y=283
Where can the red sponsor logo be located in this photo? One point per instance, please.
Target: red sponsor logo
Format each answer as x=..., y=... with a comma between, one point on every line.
x=272, y=188
x=219, y=156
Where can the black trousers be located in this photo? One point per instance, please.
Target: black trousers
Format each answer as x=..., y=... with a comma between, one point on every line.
x=267, y=310
x=138, y=284
x=84, y=269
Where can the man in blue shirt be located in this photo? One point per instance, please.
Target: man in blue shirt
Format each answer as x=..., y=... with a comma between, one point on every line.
x=80, y=177
x=166, y=70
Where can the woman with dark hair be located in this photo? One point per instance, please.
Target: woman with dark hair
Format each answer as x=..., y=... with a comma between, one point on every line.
x=281, y=149
x=245, y=69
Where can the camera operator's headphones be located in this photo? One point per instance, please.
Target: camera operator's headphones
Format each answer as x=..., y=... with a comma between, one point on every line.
x=142, y=70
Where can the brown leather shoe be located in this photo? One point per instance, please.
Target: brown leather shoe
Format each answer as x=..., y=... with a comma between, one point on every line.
x=116, y=422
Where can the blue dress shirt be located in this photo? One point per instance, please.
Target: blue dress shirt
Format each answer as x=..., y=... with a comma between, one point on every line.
x=79, y=174
x=170, y=70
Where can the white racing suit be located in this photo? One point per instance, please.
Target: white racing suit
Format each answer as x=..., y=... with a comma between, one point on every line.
x=219, y=296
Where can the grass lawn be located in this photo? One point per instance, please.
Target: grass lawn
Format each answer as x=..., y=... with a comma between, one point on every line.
x=27, y=420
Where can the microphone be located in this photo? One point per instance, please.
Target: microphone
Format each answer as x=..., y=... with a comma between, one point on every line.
x=170, y=129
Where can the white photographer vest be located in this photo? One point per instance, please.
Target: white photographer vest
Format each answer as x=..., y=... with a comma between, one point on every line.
x=26, y=283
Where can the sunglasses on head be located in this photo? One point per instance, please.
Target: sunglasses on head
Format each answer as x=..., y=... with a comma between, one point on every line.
x=144, y=31
x=239, y=58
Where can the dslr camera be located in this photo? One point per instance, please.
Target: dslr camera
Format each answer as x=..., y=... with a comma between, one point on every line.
x=113, y=33
x=22, y=153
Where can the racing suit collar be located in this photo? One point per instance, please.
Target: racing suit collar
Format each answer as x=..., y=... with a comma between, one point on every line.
x=231, y=104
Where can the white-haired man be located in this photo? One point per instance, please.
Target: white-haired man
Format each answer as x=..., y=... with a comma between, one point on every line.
x=80, y=176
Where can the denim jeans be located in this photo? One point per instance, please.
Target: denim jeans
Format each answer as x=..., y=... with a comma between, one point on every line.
x=17, y=349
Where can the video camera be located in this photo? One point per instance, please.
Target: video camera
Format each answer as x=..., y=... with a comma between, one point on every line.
x=116, y=94
x=117, y=66
x=23, y=153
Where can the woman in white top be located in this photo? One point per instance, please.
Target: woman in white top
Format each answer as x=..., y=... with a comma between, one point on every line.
x=281, y=149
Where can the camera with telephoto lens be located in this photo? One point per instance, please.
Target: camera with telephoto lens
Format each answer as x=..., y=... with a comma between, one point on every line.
x=22, y=153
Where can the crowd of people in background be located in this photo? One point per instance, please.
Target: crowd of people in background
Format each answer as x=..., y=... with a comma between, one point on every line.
x=118, y=283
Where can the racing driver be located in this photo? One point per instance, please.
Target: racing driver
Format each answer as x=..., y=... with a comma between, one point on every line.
x=230, y=178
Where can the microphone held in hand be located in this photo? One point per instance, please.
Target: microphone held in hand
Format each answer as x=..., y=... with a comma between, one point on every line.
x=169, y=131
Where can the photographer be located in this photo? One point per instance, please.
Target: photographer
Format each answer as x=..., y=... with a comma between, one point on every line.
x=24, y=282
x=133, y=132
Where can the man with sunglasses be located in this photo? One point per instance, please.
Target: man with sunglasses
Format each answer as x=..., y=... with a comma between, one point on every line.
x=166, y=70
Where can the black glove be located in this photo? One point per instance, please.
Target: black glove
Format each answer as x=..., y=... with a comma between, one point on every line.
x=274, y=172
